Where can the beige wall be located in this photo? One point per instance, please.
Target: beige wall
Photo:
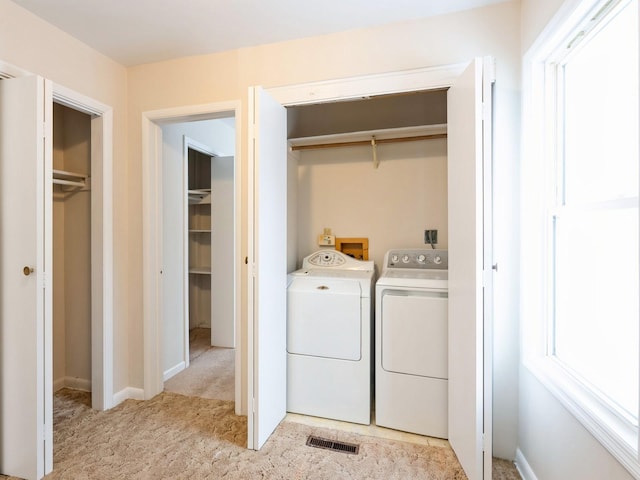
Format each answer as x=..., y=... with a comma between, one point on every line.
x=30, y=43
x=391, y=205
x=72, y=252
x=226, y=76
x=33, y=45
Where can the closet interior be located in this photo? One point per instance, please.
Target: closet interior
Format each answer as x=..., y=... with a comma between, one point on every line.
x=372, y=168
x=199, y=248
x=71, y=249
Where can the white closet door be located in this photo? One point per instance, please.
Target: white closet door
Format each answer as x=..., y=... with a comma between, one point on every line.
x=26, y=446
x=467, y=201
x=267, y=266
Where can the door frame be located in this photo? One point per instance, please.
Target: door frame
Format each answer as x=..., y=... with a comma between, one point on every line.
x=101, y=241
x=101, y=238
x=152, y=122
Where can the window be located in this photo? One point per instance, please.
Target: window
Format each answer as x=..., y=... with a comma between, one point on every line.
x=581, y=135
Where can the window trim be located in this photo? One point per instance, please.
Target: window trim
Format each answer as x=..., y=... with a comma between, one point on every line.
x=573, y=23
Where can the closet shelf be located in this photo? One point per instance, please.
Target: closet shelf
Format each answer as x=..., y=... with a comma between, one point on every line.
x=71, y=180
x=370, y=137
x=199, y=195
x=200, y=270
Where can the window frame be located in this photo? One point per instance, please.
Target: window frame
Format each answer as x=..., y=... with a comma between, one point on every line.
x=539, y=176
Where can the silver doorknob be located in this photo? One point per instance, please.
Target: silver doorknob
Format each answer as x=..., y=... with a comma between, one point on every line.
x=27, y=271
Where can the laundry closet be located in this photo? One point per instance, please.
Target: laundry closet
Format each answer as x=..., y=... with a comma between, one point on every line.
x=373, y=168
x=71, y=248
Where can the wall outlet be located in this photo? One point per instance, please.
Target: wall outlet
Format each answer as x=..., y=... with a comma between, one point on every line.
x=325, y=240
x=431, y=237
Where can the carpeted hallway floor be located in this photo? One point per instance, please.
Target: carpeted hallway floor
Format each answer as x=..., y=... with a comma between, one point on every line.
x=181, y=437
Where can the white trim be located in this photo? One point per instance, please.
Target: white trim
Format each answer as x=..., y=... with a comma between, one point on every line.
x=538, y=143
x=174, y=371
x=152, y=256
x=10, y=71
x=523, y=467
x=368, y=85
x=74, y=383
x=606, y=427
x=126, y=394
x=101, y=240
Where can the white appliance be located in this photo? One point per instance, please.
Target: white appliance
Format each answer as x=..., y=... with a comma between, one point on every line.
x=329, y=324
x=411, y=342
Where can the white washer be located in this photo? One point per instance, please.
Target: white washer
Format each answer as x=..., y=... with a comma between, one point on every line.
x=329, y=324
x=411, y=342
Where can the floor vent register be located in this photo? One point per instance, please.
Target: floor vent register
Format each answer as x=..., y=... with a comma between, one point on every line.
x=319, y=442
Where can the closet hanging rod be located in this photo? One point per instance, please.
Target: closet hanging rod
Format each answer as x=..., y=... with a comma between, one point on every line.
x=71, y=183
x=367, y=143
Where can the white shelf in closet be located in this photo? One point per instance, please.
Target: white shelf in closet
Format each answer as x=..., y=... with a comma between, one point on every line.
x=199, y=196
x=200, y=270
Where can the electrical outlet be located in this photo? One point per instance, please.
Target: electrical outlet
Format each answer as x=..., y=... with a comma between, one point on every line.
x=431, y=237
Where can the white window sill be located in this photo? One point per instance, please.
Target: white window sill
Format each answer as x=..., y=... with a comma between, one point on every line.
x=615, y=433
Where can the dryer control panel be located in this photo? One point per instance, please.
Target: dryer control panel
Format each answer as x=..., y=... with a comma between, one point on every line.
x=419, y=258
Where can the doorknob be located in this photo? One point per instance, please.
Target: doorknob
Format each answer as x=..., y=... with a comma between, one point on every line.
x=27, y=271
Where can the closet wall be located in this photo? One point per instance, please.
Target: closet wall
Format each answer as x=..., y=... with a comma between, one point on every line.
x=391, y=205
x=71, y=252
x=340, y=187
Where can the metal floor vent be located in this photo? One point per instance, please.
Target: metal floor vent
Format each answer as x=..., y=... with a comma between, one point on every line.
x=319, y=442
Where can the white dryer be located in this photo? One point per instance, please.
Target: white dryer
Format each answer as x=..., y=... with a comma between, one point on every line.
x=411, y=342
x=329, y=324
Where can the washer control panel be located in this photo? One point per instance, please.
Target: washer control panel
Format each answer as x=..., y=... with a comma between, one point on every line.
x=326, y=258
x=421, y=258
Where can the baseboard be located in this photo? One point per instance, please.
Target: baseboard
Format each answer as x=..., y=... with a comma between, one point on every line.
x=525, y=470
x=74, y=383
x=174, y=371
x=128, y=393
x=58, y=384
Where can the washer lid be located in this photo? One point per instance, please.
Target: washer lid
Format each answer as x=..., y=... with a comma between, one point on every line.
x=415, y=278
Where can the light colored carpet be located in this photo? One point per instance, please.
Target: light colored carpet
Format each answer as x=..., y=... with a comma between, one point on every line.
x=211, y=373
x=181, y=437
x=173, y=436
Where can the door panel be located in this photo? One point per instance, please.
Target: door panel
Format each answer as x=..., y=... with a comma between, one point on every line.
x=25, y=330
x=466, y=327
x=267, y=266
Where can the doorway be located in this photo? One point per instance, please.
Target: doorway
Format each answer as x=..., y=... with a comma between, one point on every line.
x=198, y=326
x=167, y=291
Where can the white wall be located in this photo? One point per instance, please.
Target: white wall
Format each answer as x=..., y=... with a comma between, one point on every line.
x=392, y=205
x=219, y=136
x=555, y=445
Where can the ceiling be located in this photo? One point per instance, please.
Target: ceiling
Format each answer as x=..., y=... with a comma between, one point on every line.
x=142, y=31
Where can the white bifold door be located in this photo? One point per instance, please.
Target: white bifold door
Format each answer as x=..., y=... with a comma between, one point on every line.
x=267, y=266
x=469, y=204
x=26, y=441
x=469, y=201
